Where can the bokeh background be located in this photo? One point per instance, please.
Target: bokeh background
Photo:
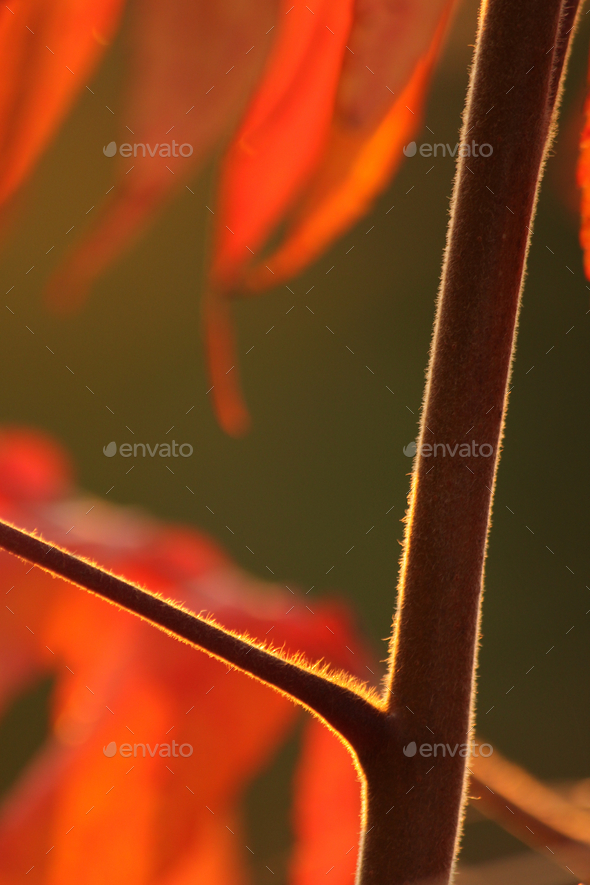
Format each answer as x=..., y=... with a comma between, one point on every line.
x=333, y=372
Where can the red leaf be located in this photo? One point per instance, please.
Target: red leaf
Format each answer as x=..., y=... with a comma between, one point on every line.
x=583, y=176
x=48, y=50
x=296, y=136
x=193, y=65
x=80, y=815
x=319, y=142
x=283, y=135
x=327, y=811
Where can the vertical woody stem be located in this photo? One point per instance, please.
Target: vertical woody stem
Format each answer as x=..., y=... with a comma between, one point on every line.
x=414, y=803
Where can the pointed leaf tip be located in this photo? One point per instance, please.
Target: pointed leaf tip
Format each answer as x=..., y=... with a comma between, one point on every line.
x=228, y=401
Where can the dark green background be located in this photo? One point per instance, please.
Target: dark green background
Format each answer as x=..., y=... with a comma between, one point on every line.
x=324, y=461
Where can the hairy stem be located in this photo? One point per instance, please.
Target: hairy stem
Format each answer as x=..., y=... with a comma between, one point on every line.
x=347, y=711
x=414, y=804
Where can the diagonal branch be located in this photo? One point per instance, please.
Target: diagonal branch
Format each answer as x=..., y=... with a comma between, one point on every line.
x=338, y=700
x=533, y=797
x=531, y=811
x=530, y=827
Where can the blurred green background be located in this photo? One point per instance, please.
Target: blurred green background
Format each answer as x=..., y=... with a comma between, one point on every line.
x=324, y=461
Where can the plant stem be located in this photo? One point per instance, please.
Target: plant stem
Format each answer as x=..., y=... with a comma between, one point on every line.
x=345, y=709
x=414, y=804
x=532, y=812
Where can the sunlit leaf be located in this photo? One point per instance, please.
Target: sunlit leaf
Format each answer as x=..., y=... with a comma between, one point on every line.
x=192, y=65
x=79, y=814
x=48, y=50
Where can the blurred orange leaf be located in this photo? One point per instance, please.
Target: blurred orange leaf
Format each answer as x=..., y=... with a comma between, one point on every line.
x=192, y=65
x=47, y=51
x=316, y=147
x=340, y=94
x=197, y=730
x=583, y=179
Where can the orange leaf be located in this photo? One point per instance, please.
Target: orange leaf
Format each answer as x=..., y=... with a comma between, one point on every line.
x=230, y=407
x=387, y=42
x=307, y=141
x=356, y=166
x=149, y=812
x=271, y=158
x=583, y=176
x=283, y=135
x=319, y=142
x=327, y=816
x=47, y=51
x=193, y=65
